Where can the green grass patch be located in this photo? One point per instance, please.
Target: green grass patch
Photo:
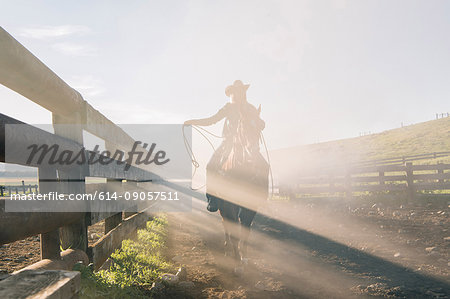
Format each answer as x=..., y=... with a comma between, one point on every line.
x=136, y=265
x=422, y=138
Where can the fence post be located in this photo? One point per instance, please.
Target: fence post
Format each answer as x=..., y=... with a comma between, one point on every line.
x=50, y=243
x=127, y=214
x=409, y=181
x=130, y=185
x=113, y=184
x=381, y=174
x=440, y=171
x=72, y=236
x=112, y=221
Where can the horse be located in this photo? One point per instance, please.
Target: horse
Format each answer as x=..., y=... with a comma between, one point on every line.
x=233, y=215
x=237, y=173
x=240, y=192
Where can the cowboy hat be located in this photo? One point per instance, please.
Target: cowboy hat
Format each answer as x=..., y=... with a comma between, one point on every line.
x=236, y=86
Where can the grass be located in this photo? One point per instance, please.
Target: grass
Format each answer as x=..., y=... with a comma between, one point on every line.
x=136, y=265
x=426, y=137
x=422, y=138
x=334, y=157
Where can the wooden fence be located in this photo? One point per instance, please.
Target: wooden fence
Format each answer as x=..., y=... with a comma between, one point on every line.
x=25, y=74
x=401, y=160
x=9, y=189
x=408, y=178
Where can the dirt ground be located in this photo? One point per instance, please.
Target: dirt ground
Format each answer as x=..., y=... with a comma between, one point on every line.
x=17, y=255
x=306, y=249
x=337, y=250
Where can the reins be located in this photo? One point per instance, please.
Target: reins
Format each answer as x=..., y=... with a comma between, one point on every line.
x=191, y=152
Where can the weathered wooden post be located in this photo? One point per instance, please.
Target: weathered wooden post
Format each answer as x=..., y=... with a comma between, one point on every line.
x=127, y=214
x=112, y=221
x=381, y=176
x=50, y=243
x=440, y=172
x=129, y=211
x=73, y=236
x=409, y=181
x=113, y=184
x=130, y=185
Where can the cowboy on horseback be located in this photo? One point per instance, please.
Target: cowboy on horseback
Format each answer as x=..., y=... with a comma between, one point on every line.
x=237, y=173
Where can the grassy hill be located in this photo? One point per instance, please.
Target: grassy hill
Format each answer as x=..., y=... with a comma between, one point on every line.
x=421, y=138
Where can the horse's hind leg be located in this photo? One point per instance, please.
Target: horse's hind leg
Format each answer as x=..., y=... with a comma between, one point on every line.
x=229, y=215
x=231, y=240
x=246, y=217
x=232, y=244
x=227, y=244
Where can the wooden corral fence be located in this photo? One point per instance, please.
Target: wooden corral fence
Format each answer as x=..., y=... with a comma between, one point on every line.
x=25, y=74
x=402, y=160
x=408, y=178
x=9, y=189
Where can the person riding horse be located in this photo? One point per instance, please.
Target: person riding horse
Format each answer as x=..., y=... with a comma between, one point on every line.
x=237, y=173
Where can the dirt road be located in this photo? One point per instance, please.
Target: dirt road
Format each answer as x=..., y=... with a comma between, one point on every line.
x=309, y=249
x=304, y=256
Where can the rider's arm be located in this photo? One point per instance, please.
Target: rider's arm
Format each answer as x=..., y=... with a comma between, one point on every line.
x=210, y=120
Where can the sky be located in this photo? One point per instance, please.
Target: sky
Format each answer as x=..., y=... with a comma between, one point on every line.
x=321, y=70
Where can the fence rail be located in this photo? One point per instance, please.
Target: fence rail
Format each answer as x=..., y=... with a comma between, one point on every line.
x=9, y=189
x=401, y=160
x=408, y=177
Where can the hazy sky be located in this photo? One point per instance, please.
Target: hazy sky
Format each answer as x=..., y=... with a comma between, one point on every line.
x=321, y=70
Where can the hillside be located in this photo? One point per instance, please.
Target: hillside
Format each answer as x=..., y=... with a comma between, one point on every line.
x=421, y=138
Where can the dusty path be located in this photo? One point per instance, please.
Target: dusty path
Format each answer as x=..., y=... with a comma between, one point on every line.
x=276, y=268
x=290, y=262
x=197, y=244
x=307, y=250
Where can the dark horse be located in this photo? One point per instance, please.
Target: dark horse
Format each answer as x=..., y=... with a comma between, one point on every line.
x=246, y=189
x=237, y=174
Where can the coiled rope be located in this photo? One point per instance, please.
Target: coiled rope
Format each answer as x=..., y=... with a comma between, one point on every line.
x=197, y=165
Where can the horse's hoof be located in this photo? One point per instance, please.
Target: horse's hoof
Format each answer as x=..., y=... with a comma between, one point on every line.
x=244, y=261
x=239, y=271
